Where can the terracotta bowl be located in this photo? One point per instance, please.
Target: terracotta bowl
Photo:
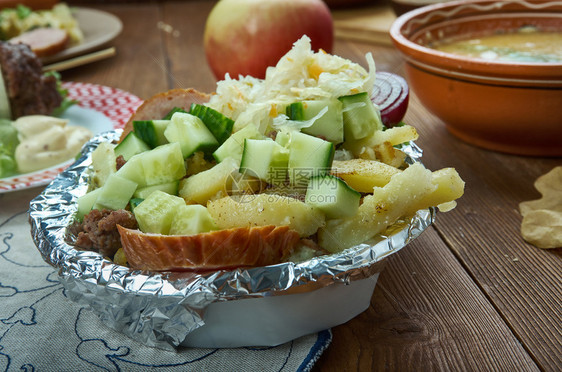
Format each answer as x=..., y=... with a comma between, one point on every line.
x=508, y=107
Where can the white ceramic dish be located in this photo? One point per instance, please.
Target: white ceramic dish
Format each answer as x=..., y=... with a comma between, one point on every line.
x=100, y=109
x=99, y=28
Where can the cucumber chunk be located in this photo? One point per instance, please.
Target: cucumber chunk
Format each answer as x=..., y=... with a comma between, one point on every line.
x=86, y=203
x=191, y=133
x=219, y=125
x=133, y=170
x=131, y=145
x=116, y=193
x=156, y=213
x=328, y=126
x=332, y=196
x=234, y=145
x=169, y=188
x=151, y=131
x=360, y=116
x=191, y=220
x=162, y=165
x=265, y=159
x=309, y=156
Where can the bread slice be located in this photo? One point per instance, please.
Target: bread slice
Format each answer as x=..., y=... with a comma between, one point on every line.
x=161, y=104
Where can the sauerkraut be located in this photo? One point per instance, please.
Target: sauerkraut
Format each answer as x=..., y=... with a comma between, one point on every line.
x=301, y=74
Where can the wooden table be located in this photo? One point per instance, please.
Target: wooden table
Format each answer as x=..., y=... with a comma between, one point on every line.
x=469, y=294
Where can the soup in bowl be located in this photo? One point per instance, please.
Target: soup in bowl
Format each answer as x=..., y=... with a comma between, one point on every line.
x=456, y=64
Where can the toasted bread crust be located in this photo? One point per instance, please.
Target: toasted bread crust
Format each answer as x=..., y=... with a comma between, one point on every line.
x=157, y=106
x=223, y=249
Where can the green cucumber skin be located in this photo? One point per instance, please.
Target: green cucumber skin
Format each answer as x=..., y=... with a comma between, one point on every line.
x=172, y=112
x=151, y=131
x=134, y=202
x=329, y=126
x=219, y=125
x=295, y=111
x=131, y=145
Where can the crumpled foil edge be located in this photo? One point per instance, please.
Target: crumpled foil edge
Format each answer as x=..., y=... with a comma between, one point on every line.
x=161, y=309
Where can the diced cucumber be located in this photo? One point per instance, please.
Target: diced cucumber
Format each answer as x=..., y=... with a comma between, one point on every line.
x=191, y=220
x=308, y=156
x=116, y=193
x=328, y=126
x=134, y=202
x=332, y=196
x=163, y=164
x=131, y=145
x=169, y=188
x=234, y=145
x=151, y=131
x=283, y=138
x=203, y=186
x=191, y=133
x=86, y=203
x=360, y=116
x=218, y=124
x=172, y=112
x=265, y=159
x=156, y=213
x=103, y=163
x=133, y=170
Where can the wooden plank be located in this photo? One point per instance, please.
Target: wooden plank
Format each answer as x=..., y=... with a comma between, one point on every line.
x=184, y=44
x=426, y=314
x=365, y=24
x=522, y=281
x=137, y=68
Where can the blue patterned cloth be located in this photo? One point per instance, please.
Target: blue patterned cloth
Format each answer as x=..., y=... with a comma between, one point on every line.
x=41, y=330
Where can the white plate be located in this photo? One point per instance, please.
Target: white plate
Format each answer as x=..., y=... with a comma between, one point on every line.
x=98, y=27
x=100, y=109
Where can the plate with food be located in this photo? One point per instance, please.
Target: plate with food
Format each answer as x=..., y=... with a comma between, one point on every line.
x=34, y=148
x=60, y=31
x=247, y=217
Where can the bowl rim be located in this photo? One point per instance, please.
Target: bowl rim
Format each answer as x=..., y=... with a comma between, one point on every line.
x=495, y=72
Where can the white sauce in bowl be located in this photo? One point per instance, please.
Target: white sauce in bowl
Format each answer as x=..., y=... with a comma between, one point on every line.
x=46, y=141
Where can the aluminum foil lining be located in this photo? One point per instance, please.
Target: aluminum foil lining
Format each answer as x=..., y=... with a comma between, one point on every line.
x=161, y=309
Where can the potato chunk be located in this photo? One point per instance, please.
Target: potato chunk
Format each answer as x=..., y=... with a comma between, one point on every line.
x=407, y=192
x=264, y=210
x=362, y=174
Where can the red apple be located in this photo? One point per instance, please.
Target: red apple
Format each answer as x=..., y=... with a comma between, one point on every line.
x=244, y=37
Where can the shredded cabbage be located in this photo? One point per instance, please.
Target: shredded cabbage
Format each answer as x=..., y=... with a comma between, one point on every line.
x=301, y=74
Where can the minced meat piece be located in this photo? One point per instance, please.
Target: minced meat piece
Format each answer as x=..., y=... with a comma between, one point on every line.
x=98, y=230
x=119, y=162
x=29, y=91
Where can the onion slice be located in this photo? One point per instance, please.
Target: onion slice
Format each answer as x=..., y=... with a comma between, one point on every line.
x=391, y=95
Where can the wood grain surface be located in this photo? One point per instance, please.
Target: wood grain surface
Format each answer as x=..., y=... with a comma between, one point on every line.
x=468, y=295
